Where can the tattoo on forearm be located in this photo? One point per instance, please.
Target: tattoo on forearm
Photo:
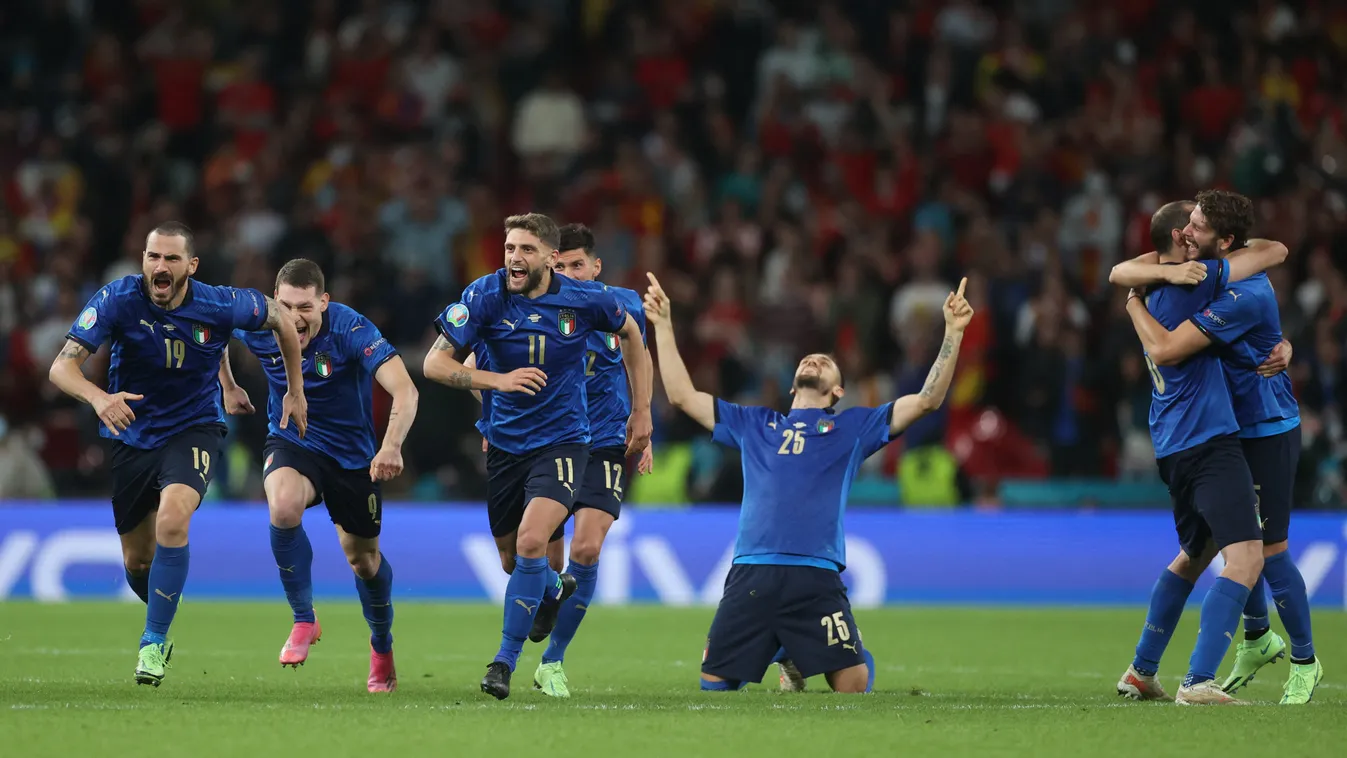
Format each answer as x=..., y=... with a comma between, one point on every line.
x=273, y=314
x=73, y=351
x=443, y=344
x=938, y=368
x=461, y=380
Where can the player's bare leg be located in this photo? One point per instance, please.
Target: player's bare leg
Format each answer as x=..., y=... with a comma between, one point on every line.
x=374, y=578
x=852, y=680
x=505, y=548
x=1141, y=680
x=591, y=529
x=528, y=585
x=556, y=555
x=168, y=575
x=138, y=554
x=288, y=495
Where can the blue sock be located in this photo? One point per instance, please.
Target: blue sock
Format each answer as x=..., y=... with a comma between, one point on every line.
x=376, y=599
x=140, y=584
x=294, y=559
x=573, y=611
x=552, y=587
x=1255, y=612
x=1293, y=604
x=870, y=664
x=1168, y=597
x=1220, y=618
x=168, y=575
x=523, y=595
x=726, y=685
x=780, y=655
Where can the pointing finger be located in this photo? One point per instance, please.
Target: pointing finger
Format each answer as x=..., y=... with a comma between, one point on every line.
x=962, y=284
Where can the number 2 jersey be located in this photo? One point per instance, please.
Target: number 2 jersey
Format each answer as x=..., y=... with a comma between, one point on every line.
x=1190, y=402
x=338, y=364
x=798, y=468
x=170, y=357
x=549, y=332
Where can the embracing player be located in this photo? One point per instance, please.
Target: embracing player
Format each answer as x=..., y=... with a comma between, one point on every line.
x=168, y=333
x=337, y=462
x=784, y=589
x=533, y=328
x=1242, y=322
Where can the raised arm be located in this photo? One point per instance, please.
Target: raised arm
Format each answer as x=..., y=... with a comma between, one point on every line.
x=677, y=383
x=67, y=373
x=1257, y=256
x=635, y=360
x=909, y=408
x=393, y=377
x=1146, y=270
x=294, y=404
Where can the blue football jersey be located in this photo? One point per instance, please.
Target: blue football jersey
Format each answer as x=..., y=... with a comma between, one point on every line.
x=1245, y=322
x=1190, y=402
x=549, y=332
x=483, y=364
x=606, y=387
x=170, y=357
x=798, y=470
x=338, y=364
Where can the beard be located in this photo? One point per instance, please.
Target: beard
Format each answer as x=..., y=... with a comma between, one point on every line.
x=531, y=282
x=1210, y=252
x=163, y=297
x=809, y=382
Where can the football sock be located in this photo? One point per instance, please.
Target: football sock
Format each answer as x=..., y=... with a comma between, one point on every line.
x=168, y=575
x=294, y=559
x=376, y=600
x=1168, y=597
x=572, y=611
x=1255, y=612
x=1293, y=604
x=523, y=594
x=1220, y=618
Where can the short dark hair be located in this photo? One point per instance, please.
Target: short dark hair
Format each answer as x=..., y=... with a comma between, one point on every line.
x=1171, y=216
x=540, y=226
x=576, y=237
x=1229, y=214
x=302, y=273
x=175, y=229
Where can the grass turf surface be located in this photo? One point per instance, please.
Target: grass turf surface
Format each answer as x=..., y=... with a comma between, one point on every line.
x=979, y=682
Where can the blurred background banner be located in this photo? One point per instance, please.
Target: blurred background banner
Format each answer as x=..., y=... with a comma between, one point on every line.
x=445, y=552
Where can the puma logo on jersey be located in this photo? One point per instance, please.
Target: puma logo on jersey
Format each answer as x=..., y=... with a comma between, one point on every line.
x=848, y=646
x=569, y=488
x=147, y=325
x=357, y=326
x=508, y=323
x=1233, y=294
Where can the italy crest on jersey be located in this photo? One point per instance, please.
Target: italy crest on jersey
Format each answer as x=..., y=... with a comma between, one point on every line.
x=566, y=323
x=611, y=341
x=322, y=363
x=200, y=334
x=825, y=425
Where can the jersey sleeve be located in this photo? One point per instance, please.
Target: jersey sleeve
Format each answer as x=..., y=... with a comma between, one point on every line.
x=1228, y=317
x=247, y=309
x=733, y=421
x=876, y=428
x=95, y=322
x=367, y=343
x=460, y=322
x=607, y=311
x=637, y=312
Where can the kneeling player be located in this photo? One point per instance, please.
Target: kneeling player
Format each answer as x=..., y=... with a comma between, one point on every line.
x=785, y=588
x=336, y=462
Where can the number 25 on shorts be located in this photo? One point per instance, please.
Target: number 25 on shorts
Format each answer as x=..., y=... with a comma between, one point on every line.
x=837, y=628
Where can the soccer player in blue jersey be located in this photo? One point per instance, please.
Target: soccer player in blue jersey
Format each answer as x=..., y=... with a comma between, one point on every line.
x=533, y=326
x=1244, y=325
x=163, y=411
x=1193, y=426
x=784, y=588
x=337, y=462
x=599, y=500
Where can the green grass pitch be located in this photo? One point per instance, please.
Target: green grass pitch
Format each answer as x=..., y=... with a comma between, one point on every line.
x=951, y=682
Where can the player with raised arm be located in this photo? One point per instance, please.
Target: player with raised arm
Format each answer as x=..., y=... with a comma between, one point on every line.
x=599, y=500
x=533, y=326
x=1193, y=427
x=1244, y=325
x=337, y=462
x=167, y=333
x=785, y=588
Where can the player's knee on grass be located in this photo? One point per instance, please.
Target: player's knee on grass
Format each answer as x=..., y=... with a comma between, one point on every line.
x=1275, y=548
x=288, y=495
x=1243, y=562
x=851, y=680
x=177, y=503
x=713, y=683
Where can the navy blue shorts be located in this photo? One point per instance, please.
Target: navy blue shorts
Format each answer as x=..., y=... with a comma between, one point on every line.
x=605, y=480
x=513, y=481
x=1273, y=461
x=138, y=476
x=801, y=608
x=354, y=503
x=1213, y=496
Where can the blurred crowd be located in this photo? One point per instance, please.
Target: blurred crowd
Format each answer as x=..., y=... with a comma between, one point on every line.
x=809, y=175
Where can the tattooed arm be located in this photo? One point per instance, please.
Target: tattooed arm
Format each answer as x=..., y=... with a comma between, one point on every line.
x=67, y=373
x=393, y=377
x=909, y=408
x=441, y=366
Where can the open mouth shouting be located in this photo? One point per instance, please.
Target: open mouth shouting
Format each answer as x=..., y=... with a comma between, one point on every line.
x=161, y=286
x=518, y=276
